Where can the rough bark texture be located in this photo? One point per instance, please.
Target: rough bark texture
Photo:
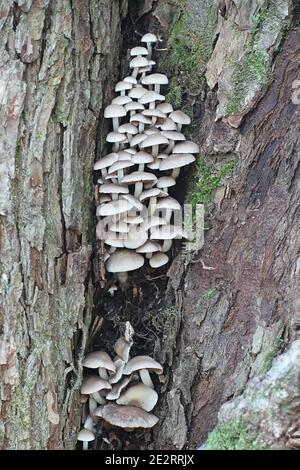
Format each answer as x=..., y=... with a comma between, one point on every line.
x=57, y=58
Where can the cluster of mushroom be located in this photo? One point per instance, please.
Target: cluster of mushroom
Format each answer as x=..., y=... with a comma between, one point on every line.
x=121, y=393
x=148, y=150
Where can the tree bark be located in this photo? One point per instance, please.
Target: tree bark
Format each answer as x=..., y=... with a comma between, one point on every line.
x=58, y=62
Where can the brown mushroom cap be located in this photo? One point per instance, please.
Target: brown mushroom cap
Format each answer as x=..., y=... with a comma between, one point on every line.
x=123, y=261
x=142, y=362
x=92, y=384
x=97, y=359
x=139, y=395
x=129, y=417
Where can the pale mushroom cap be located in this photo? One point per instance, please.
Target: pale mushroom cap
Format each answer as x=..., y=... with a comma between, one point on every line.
x=133, y=219
x=158, y=260
x=142, y=362
x=186, y=147
x=120, y=86
x=137, y=92
x=153, y=192
x=151, y=130
x=129, y=417
x=115, y=137
x=123, y=154
x=119, y=226
x=93, y=383
x=150, y=97
x=137, y=139
x=115, y=207
x=138, y=50
x=149, y=247
x=139, y=395
x=134, y=106
x=128, y=129
x=165, y=108
x=85, y=435
x=124, y=260
x=138, y=117
x=166, y=232
x=106, y=161
x=115, y=392
x=154, y=113
x=120, y=165
x=130, y=79
x=111, y=188
x=154, y=165
x=115, y=242
x=165, y=182
x=153, y=221
x=137, y=176
x=155, y=79
x=168, y=203
x=133, y=201
x=120, y=364
x=173, y=135
x=136, y=238
x=168, y=125
x=149, y=37
x=180, y=118
x=176, y=160
x=154, y=139
x=114, y=110
x=138, y=61
x=97, y=359
x=142, y=157
x=104, y=198
x=122, y=100
x=130, y=150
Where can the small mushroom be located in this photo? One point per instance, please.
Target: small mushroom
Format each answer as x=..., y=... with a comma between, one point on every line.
x=115, y=392
x=176, y=161
x=149, y=39
x=122, y=349
x=158, y=260
x=97, y=359
x=156, y=79
x=92, y=384
x=139, y=395
x=180, y=118
x=115, y=111
x=122, y=100
x=138, y=50
x=122, y=87
x=85, y=436
x=137, y=178
x=128, y=417
x=154, y=141
x=136, y=63
x=142, y=362
x=124, y=261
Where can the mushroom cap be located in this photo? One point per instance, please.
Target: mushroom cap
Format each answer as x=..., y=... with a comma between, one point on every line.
x=168, y=203
x=85, y=435
x=114, y=241
x=150, y=97
x=151, y=130
x=154, y=113
x=136, y=238
x=158, y=260
x=166, y=232
x=133, y=201
x=172, y=135
x=138, y=61
x=137, y=92
x=115, y=207
x=167, y=125
x=153, y=221
x=93, y=383
x=129, y=417
x=165, y=108
x=138, y=176
x=115, y=392
x=97, y=359
x=120, y=86
x=122, y=348
x=154, y=139
x=130, y=151
x=130, y=79
x=139, y=395
x=154, y=165
x=119, y=226
x=124, y=154
x=122, y=100
x=152, y=192
x=119, y=363
x=180, y=118
x=149, y=247
x=134, y=106
x=142, y=157
x=142, y=362
x=104, y=198
x=106, y=161
x=149, y=37
x=138, y=50
x=133, y=219
x=123, y=261
x=128, y=128
x=137, y=139
x=114, y=110
x=115, y=137
x=138, y=117
x=110, y=188
x=155, y=79
x=176, y=160
x=119, y=165
x=165, y=182
x=186, y=147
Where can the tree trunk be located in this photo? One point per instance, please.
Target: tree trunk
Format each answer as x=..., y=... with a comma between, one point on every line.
x=58, y=61
x=218, y=317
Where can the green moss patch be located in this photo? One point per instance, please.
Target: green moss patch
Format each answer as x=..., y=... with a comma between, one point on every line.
x=233, y=435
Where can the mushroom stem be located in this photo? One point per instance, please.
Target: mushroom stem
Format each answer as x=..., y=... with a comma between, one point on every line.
x=115, y=124
x=122, y=93
x=155, y=150
x=149, y=49
x=145, y=376
x=85, y=445
x=103, y=374
x=116, y=146
x=157, y=88
x=175, y=173
x=122, y=277
x=152, y=206
x=141, y=167
x=167, y=244
x=170, y=147
x=98, y=398
x=135, y=72
x=138, y=189
x=141, y=127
